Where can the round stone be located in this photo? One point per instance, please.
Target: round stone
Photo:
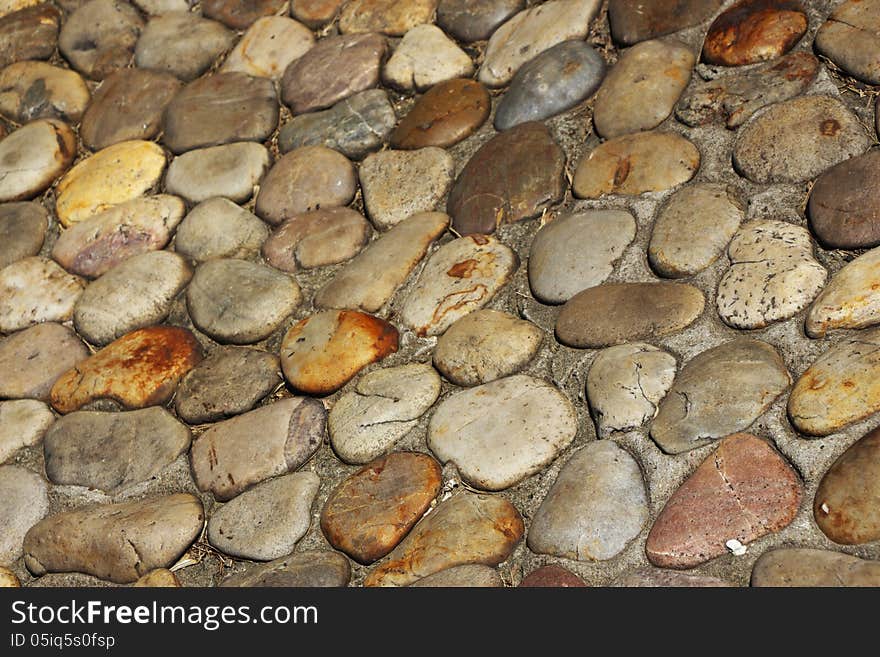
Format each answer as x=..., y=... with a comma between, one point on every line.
x=268, y=47
x=370, y=512
x=128, y=105
x=484, y=346
x=424, y=57
x=29, y=34
x=552, y=83
x=633, y=20
x=851, y=299
x=32, y=157
x=499, y=433
x=35, y=290
x=392, y=17
x=33, y=359
x=693, y=229
x=562, y=263
x=323, y=352
x=306, y=179
x=182, y=44
x=597, y=505
x=218, y=228
x=22, y=231
x=642, y=88
x=753, y=31
x=113, y=175
x=240, y=302
x=99, y=37
x=25, y=502
x=229, y=382
x=23, y=423
x=137, y=293
x=36, y=90
x=231, y=171
x=219, y=109
x=798, y=139
x=475, y=20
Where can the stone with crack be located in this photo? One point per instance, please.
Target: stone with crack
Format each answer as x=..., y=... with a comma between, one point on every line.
x=625, y=385
x=773, y=275
x=719, y=392
x=384, y=407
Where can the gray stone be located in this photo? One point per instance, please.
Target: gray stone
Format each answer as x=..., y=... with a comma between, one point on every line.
x=231, y=170
x=469, y=575
x=218, y=228
x=99, y=37
x=22, y=231
x=719, y=392
x=33, y=359
x=113, y=451
x=552, y=83
x=851, y=39
x=499, y=433
x=425, y=57
x=25, y=502
x=596, y=506
x=302, y=570
x=33, y=157
x=577, y=251
x=36, y=290
x=267, y=521
x=182, y=43
x=23, y=423
x=475, y=20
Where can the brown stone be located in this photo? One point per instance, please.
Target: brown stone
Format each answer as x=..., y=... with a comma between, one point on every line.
x=29, y=34
x=300, y=570
x=635, y=20
x=754, y=31
x=313, y=82
x=23, y=229
x=315, y=13
x=743, y=491
x=100, y=36
x=514, y=176
x=370, y=512
x=662, y=578
x=392, y=17
x=159, y=578
x=37, y=90
x=846, y=507
x=33, y=359
x=322, y=353
x=239, y=14
x=448, y=113
x=468, y=528
x=140, y=369
x=475, y=20
x=814, y=568
x=552, y=577
x=128, y=105
x=314, y=239
x=615, y=313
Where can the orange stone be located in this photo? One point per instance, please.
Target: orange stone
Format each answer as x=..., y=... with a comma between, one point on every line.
x=754, y=31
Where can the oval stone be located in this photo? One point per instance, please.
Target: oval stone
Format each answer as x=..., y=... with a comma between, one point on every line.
x=693, y=229
x=240, y=14
x=218, y=228
x=845, y=505
x=635, y=164
x=317, y=238
x=35, y=290
x=515, y=175
x=562, y=263
x=315, y=13
x=844, y=207
x=550, y=84
x=267, y=521
x=116, y=542
x=219, y=109
x=448, y=113
x=111, y=176
x=753, y=31
x=36, y=90
x=851, y=300
x=742, y=491
x=323, y=352
x=306, y=179
x=652, y=577
x=113, y=451
x=231, y=170
x=270, y=44
x=475, y=20
x=484, y=346
x=425, y=57
x=33, y=359
x=469, y=575
x=499, y=433
x=99, y=37
x=466, y=529
x=796, y=140
x=596, y=506
x=140, y=369
x=642, y=88
x=228, y=382
x=25, y=502
x=30, y=33
x=128, y=105
x=95, y=245
x=240, y=302
x=460, y=277
x=300, y=570
x=841, y=387
x=370, y=512
x=32, y=157
x=615, y=313
x=386, y=404
x=719, y=392
x=849, y=38
x=22, y=231
x=23, y=423
x=392, y=17
x=813, y=568
x=275, y=439
x=635, y=20
x=137, y=293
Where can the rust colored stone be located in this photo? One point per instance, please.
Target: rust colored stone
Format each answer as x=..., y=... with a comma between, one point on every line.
x=552, y=577
x=240, y=14
x=369, y=513
x=743, y=491
x=448, y=113
x=140, y=369
x=30, y=33
x=754, y=31
x=323, y=352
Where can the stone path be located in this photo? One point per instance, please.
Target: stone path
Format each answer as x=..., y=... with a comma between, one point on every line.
x=439, y=293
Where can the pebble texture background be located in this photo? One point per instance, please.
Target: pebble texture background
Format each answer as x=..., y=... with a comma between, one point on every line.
x=203, y=383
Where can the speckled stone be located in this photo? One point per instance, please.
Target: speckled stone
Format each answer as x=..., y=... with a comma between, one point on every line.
x=99, y=37
x=424, y=57
x=33, y=359
x=635, y=20
x=22, y=231
x=813, y=568
x=218, y=228
x=36, y=90
x=753, y=31
x=316, y=239
x=475, y=20
x=36, y=290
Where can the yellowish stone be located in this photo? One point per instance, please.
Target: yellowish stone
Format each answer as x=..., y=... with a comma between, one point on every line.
x=8, y=579
x=9, y=6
